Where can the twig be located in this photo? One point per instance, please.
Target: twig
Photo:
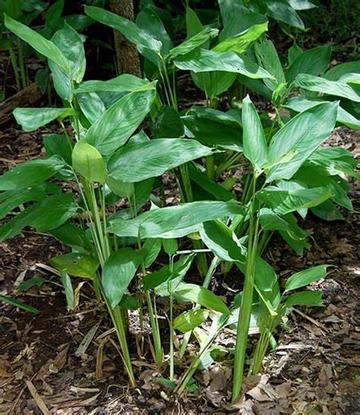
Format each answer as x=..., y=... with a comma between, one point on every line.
x=310, y=319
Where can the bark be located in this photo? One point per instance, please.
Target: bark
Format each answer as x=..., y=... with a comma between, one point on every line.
x=127, y=58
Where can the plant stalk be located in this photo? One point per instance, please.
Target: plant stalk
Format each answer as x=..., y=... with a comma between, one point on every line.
x=246, y=304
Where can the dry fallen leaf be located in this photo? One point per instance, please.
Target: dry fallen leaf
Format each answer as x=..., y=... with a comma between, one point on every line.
x=54, y=365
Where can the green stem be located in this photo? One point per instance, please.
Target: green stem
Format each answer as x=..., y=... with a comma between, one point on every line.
x=159, y=354
x=264, y=241
x=210, y=167
x=76, y=120
x=119, y=324
x=211, y=270
x=103, y=252
x=155, y=329
x=167, y=82
x=171, y=340
x=262, y=346
x=246, y=304
x=196, y=361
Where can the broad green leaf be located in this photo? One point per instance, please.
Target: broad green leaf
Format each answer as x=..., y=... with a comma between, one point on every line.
x=76, y=264
x=188, y=320
x=174, y=221
x=12, y=199
x=193, y=23
x=69, y=291
x=117, y=273
x=31, y=119
x=354, y=83
x=19, y=304
x=286, y=201
x=327, y=211
x=268, y=58
x=145, y=43
x=336, y=72
x=153, y=158
x=312, y=61
x=306, y=277
x=293, y=53
x=170, y=246
x=257, y=86
x=149, y=21
x=301, y=4
x=214, y=83
x=230, y=8
x=190, y=44
x=254, y=141
x=53, y=212
x=53, y=15
x=74, y=236
x=265, y=278
x=271, y=221
x=118, y=122
x=240, y=42
x=309, y=298
x=88, y=162
x=151, y=249
x=200, y=295
x=288, y=228
x=70, y=43
x=300, y=104
x=168, y=273
x=298, y=139
x=30, y=173
x=92, y=106
x=58, y=145
x=316, y=176
x=120, y=188
x=336, y=160
x=168, y=124
x=324, y=86
x=213, y=189
x=298, y=242
x=282, y=11
x=237, y=21
x=123, y=83
x=202, y=60
x=222, y=241
x=15, y=225
x=214, y=128
x=39, y=43
x=62, y=82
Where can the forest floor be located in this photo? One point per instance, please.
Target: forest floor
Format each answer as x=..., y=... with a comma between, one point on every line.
x=67, y=363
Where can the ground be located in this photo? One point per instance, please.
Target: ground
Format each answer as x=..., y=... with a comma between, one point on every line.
x=67, y=363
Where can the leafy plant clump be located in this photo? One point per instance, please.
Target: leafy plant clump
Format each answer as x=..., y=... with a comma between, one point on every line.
x=73, y=193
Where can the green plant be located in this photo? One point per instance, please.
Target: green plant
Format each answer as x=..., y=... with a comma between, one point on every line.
x=30, y=13
x=108, y=158
x=96, y=161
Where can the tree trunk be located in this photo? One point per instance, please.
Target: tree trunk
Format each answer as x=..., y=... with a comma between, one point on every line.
x=127, y=58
